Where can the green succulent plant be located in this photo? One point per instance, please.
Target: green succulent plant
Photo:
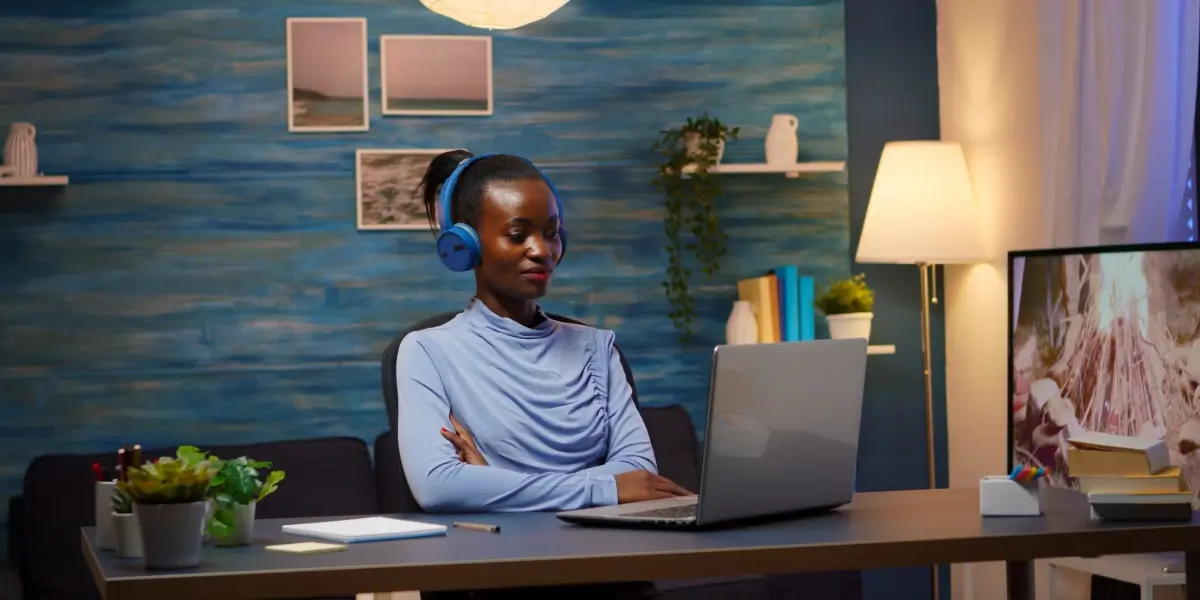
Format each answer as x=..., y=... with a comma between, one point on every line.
x=169, y=480
x=845, y=296
x=122, y=504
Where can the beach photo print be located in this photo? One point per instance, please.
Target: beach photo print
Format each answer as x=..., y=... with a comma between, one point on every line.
x=436, y=75
x=327, y=74
x=387, y=192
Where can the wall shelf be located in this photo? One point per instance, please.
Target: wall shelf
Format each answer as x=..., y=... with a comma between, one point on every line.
x=878, y=349
x=39, y=181
x=792, y=171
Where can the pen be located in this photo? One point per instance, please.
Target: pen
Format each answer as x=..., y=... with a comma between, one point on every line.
x=477, y=527
x=137, y=455
x=98, y=470
x=121, y=458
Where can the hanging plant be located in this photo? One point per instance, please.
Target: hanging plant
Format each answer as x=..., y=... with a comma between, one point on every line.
x=691, y=223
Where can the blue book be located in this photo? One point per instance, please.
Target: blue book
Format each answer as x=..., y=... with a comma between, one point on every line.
x=791, y=324
x=806, y=292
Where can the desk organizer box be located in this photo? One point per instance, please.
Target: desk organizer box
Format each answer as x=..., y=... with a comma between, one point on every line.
x=1001, y=496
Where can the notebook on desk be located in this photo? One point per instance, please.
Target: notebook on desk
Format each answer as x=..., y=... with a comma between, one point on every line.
x=365, y=529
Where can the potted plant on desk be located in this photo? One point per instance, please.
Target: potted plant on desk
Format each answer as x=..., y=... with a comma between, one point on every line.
x=236, y=489
x=125, y=525
x=168, y=497
x=847, y=308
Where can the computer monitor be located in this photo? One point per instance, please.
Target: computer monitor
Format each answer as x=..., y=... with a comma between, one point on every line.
x=1104, y=339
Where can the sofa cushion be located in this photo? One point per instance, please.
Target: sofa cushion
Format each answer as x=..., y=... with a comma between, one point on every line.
x=325, y=477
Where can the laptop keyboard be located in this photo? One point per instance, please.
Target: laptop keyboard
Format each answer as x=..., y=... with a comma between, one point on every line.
x=670, y=512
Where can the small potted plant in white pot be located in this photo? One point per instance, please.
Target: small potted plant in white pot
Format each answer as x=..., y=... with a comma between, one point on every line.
x=169, y=498
x=847, y=306
x=237, y=487
x=125, y=526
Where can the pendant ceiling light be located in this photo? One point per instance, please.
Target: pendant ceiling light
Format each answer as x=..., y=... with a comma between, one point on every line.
x=495, y=14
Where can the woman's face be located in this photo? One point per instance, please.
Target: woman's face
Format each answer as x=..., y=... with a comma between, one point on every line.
x=518, y=236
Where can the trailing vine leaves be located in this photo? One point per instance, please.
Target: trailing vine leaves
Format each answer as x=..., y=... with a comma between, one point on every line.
x=691, y=222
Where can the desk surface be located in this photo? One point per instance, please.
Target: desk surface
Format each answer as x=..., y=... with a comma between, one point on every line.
x=882, y=529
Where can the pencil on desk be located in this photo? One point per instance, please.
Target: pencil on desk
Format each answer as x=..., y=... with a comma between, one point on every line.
x=477, y=527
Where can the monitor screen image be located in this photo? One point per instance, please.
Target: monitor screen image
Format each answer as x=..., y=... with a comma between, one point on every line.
x=1105, y=340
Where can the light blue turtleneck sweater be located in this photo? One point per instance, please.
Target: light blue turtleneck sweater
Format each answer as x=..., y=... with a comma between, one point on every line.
x=549, y=409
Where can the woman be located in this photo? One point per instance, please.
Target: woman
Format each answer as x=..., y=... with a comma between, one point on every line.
x=502, y=408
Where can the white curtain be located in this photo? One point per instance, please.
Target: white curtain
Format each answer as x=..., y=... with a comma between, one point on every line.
x=1117, y=90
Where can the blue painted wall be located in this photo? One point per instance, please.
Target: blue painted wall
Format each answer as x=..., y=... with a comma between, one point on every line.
x=892, y=94
x=201, y=279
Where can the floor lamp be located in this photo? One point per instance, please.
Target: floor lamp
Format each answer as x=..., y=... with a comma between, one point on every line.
x=922, y=212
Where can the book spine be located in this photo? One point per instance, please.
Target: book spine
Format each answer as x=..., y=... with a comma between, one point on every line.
x=806, y=313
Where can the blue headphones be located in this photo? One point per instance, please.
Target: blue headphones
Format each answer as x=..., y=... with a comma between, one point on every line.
x=458, y=244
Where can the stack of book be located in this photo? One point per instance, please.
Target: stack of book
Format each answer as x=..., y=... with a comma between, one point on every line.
x=783, y=304
x=1128, y=478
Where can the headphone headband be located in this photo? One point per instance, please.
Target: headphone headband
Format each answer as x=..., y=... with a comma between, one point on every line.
x=458, y=243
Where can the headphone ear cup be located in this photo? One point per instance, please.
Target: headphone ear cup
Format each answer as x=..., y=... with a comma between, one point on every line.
x=458, y=247
x=562, y=238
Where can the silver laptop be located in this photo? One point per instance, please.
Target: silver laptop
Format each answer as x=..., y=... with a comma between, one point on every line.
x=782, y=438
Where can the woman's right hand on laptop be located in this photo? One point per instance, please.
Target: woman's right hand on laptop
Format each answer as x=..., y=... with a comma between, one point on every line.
x=637, y=486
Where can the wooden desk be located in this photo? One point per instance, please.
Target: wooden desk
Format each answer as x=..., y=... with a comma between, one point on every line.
x=886, y=529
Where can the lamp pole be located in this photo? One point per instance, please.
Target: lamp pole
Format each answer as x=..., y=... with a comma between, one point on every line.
x=927, y=285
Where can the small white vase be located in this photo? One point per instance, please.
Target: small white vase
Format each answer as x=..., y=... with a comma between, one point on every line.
x=129, y=535
x=781, y=145
x=20, y=150
x=691, y=141
x=742, y=326
x=850, y=325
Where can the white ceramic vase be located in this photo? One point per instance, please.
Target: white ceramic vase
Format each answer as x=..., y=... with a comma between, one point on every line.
x=20, y=150
x=172, y=534
x=129, y=535
x=850, y=325
x=782, y=146
x=742, y=326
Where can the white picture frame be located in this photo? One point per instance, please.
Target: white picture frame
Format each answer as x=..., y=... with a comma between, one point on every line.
x=436, y=75
x=327, y=75
x=386, y=182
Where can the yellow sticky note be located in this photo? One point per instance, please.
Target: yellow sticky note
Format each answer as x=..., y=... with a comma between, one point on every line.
x=307, y=547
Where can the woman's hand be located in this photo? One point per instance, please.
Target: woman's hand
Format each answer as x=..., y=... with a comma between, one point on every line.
x=464, y=444
x=636, y=486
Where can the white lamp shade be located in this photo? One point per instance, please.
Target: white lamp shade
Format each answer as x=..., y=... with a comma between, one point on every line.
x=495, y=14
x=922, y=209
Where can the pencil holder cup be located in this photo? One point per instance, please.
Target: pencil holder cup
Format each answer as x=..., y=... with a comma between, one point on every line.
x=129, y=535
x=1000, y=496
x=106, y=536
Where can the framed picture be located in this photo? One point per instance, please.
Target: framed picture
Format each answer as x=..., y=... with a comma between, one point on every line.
x=436, y=74
x=387, y=182
x=327, y=74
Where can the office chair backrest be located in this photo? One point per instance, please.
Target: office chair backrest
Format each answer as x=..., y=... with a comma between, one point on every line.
x=388, y=363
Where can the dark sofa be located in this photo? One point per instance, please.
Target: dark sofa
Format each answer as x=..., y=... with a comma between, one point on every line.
x=334, y=477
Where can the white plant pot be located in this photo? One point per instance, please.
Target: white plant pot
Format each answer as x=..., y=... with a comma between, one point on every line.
x=691, y=141
x=850, y=325
x=129, y=535
x=172, y=534
x=243, y=526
